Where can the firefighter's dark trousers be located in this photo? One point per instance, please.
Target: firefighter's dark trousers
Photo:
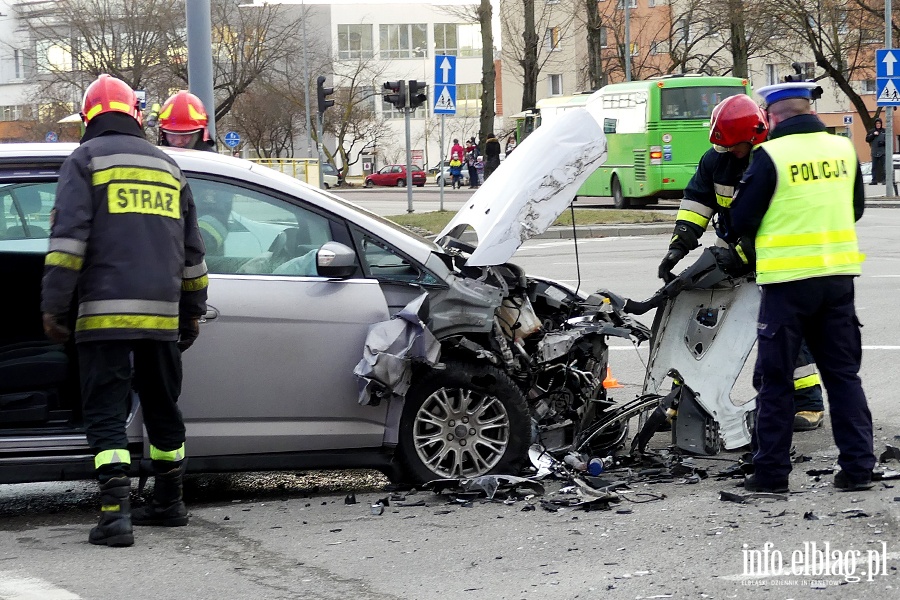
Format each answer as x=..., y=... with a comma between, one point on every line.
x=821, y=311
x=108, y=371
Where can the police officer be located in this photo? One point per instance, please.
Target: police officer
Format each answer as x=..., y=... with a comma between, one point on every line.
x=736, y=125
x=800, y=199
x=184, y=123
x=124, y=232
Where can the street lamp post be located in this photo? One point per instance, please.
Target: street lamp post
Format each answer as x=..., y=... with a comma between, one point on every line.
x=306, y=87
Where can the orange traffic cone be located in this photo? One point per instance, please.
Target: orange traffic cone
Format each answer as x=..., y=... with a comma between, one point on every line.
x=610, y=381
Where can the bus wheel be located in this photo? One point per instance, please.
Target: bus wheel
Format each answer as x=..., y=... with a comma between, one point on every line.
x=619, y=198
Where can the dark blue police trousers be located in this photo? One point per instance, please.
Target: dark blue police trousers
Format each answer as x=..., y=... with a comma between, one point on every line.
x=821, y=311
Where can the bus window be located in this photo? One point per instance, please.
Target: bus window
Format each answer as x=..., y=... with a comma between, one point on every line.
x=693, y=102
x=609, y=125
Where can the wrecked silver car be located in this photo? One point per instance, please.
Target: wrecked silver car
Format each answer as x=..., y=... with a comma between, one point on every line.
x=462, y=360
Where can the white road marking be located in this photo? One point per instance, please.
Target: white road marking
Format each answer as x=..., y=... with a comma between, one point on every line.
x=14, y=586
x=882, y=276
x=864, y=347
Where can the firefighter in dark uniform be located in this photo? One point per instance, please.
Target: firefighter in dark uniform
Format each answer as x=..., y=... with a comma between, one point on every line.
x=800, y=199
x=184, y=123
x=124, y=233
x=737, y=124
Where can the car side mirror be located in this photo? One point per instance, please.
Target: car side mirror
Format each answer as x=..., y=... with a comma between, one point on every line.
x=336, y=261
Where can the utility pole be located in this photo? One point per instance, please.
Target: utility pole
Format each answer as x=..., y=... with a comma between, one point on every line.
x=889, y=188
x=625, y=3
x=198, y=24
x=306, y=88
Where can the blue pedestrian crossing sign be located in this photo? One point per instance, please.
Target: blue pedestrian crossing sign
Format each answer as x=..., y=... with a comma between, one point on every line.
x=445, y=100
x=232, y=139
x=444, y=84
x=887, y=77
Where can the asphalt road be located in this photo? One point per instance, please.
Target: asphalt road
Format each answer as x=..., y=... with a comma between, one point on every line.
x=292, y=536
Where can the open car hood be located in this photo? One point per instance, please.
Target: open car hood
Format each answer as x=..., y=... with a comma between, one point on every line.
x=531, y=188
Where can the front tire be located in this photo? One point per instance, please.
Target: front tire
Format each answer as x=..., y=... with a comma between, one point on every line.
x=369, y=183
x=619, y=199
x=465, y=420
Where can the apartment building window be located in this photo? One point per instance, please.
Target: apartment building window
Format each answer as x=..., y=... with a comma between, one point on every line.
x=556, y=85
x=809, y=70
x=657, y=48
x=869, y=87
x=354, y=41
x=651, y=3
x=771, y=74
x=11, y=112
x=631, y=4
x=409, y=40
x=19, y=59
x=468, y=99
x=457, y=39
x=53, y=57
x=551, y=38
x=682, y=31
x=603, y=37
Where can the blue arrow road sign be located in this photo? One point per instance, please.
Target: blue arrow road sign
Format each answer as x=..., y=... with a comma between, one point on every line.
x=445, y=99
x=886, y=62
x=232, y=139
x=444, y=69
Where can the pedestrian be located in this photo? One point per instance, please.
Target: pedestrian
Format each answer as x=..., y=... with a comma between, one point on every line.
x=877, y=141
x=457, y=149
x=510, y=145
x=141, y=278
x=184, y=123
x=471, y=158
x=491, y=155
x=456, y=171
x=737, y=124
x=800, y=199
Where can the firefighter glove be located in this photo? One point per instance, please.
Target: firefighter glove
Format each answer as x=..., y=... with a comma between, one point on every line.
x=668, y=263
x=54, y=330
x=188, y=331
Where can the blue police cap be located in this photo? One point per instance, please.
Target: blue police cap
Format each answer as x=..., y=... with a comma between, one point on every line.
x=782, y=91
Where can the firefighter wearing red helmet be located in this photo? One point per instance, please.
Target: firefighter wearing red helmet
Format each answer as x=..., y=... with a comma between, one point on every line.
x=737, y=125
x=183, y=123
x=124, y=234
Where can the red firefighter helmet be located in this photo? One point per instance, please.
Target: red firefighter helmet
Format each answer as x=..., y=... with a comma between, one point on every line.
x=183, y=112
x=108, y=94
x=737, y=119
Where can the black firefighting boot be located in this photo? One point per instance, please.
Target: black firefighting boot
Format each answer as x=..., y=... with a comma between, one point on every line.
x=166, y=509
x=114, y=528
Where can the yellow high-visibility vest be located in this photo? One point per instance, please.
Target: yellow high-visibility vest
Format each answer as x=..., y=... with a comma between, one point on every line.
x=809, y=229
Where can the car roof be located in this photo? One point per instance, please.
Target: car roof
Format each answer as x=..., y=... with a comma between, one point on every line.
x=211, y=163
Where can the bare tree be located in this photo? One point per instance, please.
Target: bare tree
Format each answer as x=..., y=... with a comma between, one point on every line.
x=76, y=40
x=483, y=15
x=842, y=36
x=268, y=127
x=522, y=20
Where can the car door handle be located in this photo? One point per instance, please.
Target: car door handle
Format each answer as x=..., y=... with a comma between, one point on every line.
x=211, y=313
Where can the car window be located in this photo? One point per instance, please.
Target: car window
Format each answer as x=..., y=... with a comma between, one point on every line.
x=248, y=232
x=26, y=210
x=386, y=264
x=396, y=169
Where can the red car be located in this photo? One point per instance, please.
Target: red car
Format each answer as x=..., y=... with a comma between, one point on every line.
x=395, y=175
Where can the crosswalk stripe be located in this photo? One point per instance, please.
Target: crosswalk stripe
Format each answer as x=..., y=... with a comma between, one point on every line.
x=14, y=586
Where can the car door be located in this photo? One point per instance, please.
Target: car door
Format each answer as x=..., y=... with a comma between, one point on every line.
x=272, y=370
x=382, y=176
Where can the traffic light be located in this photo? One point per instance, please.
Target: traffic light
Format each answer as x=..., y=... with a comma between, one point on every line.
x=417, y=93
x=323, y=93
x=397, y=95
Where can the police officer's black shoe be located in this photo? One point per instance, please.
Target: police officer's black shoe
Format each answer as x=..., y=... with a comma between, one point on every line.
x=167, y=508
x=114, y=528
x=752, y=483
x=845, y=484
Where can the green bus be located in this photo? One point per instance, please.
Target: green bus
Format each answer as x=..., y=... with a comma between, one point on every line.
x=656, y=131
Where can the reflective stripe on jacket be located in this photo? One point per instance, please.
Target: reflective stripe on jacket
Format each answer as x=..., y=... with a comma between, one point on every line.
x=125, y=233
x=809, y=228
